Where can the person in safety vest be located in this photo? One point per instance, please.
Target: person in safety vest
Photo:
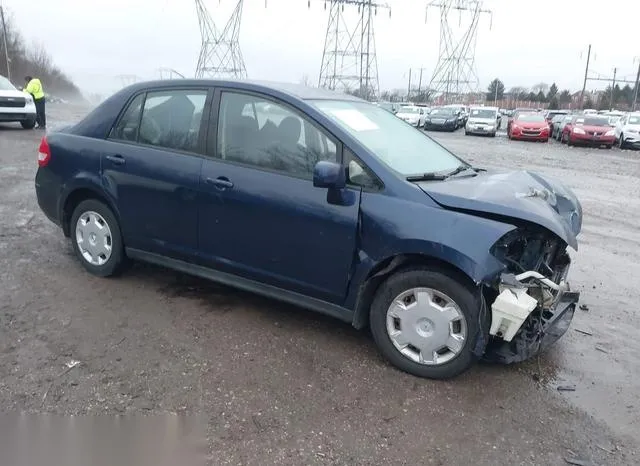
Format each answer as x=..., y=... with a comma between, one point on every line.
x=34, y=87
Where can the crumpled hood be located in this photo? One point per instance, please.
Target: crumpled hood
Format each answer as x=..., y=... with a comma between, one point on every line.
x=521, y=195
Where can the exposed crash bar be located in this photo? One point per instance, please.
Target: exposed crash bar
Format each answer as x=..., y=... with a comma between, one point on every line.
x=514, y=304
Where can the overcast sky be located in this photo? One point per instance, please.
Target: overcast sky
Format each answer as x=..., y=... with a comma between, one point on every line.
x=530, y=42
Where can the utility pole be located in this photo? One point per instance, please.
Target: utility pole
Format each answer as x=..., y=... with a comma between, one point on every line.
x=420, y=81
x=4, y=41
x=495, y=98
x=613, y=88
x=584, y=85
x=409, y=88
x=635, y=91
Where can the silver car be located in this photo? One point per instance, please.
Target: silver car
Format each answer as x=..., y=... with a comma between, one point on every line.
x=559, y=126
x=482, y=120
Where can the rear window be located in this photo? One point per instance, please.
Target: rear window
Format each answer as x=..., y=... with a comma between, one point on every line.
x=483, y=113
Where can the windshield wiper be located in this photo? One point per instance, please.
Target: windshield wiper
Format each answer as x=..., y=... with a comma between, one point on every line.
x=434, y=176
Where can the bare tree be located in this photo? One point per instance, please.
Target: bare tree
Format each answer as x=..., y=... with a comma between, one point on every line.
x=540, y=87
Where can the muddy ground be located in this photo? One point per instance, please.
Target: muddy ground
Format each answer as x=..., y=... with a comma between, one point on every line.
x=277, y=384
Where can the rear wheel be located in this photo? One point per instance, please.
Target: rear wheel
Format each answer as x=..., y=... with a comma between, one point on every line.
x=426, y=323
x=96, y=238
x=29, y=123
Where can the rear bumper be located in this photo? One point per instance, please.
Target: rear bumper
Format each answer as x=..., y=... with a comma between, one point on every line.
x=48, y=195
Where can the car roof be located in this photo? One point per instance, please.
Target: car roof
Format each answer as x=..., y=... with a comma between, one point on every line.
x=295, y=90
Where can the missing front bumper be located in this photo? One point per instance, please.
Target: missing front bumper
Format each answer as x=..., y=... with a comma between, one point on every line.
x=540, y=330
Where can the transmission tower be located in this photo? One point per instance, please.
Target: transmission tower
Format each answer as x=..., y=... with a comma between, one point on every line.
x=128, y=79
x=220, y=55
x=349, y=59
x=455, y=74
x=169, y=73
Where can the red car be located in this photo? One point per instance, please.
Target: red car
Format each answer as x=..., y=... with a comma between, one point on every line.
x=592, y=130
x=529, y=126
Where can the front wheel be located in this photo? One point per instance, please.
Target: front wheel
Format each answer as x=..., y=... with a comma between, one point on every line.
x=96, y=238
x=621, y=142
x=426, y=323
x=29, y=123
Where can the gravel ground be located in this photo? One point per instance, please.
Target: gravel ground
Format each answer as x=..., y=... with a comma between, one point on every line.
x=277, y=384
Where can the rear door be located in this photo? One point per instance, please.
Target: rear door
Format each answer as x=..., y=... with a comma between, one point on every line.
x=261, y=217
x=151, y=165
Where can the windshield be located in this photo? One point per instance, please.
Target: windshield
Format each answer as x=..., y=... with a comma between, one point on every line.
x=442, y=111
x=531, y=117
x=409, y=110
x=482, y=113
x=5, y=84
x=634, y=120
x=592, y=121
x=401, y=147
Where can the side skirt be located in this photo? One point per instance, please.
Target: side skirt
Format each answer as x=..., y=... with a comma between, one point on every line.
x=252, y=286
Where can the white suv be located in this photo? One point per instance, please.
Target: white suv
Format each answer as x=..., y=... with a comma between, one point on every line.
x=15, y=105
x=627, y=131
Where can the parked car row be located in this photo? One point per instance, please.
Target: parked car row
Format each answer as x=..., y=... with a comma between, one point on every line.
x=596, y=129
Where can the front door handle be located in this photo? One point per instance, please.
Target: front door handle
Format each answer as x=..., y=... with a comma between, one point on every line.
x=220, y=183
x=116, y=159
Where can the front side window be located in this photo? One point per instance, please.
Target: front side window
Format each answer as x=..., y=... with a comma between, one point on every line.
x=171, y=119
x=264, y=134
x=634, y=120
x=391, y=140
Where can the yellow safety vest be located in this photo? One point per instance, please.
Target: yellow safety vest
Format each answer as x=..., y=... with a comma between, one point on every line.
x=34, y=87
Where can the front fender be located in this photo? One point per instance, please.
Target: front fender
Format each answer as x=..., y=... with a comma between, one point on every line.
x=389, y=229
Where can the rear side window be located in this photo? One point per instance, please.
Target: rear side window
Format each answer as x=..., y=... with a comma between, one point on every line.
x=170, y=119
x=127, y=127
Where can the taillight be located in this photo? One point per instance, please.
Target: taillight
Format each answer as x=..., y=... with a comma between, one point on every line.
x=44, y=153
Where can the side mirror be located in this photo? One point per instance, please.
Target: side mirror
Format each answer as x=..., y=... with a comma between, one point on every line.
x=329, y=175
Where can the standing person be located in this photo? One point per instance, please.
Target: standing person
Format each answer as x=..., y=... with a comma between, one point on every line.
x=34, y=87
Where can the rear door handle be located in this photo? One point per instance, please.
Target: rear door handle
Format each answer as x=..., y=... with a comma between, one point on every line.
x=220, y=182
x=116, y=159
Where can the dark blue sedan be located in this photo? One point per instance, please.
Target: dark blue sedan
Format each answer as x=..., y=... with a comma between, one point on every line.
x=321, y=200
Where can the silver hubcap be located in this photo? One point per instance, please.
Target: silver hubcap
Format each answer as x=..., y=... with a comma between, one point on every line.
x=93, y=237
x=426, y=326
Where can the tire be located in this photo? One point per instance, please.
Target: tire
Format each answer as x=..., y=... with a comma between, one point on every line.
x=443, y=283
x=28, y=124
x=569, y=143
x=493, y=135
x=622, y=144
x=466, y=133
x=116, y=259
x=545, y=140
x=609, y=146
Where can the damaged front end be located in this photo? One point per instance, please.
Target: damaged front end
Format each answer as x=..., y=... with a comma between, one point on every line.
x=531, y=303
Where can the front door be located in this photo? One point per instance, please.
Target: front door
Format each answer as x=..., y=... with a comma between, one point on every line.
x=151, y=165
x=261, y=217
